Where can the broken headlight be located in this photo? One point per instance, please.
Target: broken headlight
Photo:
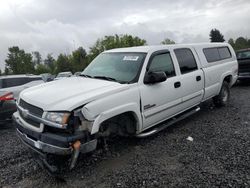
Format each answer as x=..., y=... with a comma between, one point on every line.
x=58, y=117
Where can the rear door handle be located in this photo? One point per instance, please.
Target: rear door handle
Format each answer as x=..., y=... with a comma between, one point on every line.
x=198, y=78
x=177, y=84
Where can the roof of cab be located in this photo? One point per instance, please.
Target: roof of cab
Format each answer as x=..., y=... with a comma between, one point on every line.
x=146, y=49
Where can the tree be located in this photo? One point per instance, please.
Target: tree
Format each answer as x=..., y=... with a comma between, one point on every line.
x=50, y=62
x=241, y=43
x=63, y=63
x=37, y=58
x=168, y=41
x=41, y=68
x=115, y=41
x=216, y=36
x=6, y=71
x=231, y=42
x=0, y=72
x=78, y=59
x=19, y=62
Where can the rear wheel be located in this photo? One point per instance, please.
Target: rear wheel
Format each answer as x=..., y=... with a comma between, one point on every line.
x=223, y=97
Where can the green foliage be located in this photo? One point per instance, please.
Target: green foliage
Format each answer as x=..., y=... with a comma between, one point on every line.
x=19, y=62
x=6, y=71
x=216, y=36
x=50, y=63
x=231, y=42
x=116, y=41
x=78, y=59
x=63, y=63
x=41, y=68
x=0, y=72
x=239, y=43
x=168, y=41
x=37, y=57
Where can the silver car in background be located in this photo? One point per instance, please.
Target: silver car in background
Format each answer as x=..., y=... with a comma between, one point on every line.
x=10, y=88
x=63, y=75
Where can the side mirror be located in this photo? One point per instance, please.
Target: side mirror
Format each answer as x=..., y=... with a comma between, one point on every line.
x=155, y=77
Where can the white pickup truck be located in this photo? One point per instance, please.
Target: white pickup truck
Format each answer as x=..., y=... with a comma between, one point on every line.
x=134, y=91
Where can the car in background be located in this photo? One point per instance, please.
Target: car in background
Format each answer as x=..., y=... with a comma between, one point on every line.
x=10, y=88
x=243, y=57
x=63, y=75
x=77, y=73
x=47, y=77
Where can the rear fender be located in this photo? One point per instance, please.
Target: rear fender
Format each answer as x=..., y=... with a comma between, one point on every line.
x=228, y=73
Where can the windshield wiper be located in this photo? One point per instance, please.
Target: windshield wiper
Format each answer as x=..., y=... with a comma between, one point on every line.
x=105, y=78
x=85, y=75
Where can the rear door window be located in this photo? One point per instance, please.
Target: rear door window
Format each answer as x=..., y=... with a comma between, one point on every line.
x=186, y=60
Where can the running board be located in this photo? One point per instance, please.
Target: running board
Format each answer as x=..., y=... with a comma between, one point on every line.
x=168, y=123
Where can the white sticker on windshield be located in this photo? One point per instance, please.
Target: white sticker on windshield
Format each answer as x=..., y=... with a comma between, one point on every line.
x=130, y=58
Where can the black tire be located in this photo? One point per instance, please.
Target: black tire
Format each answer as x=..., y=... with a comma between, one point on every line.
x=224, y=95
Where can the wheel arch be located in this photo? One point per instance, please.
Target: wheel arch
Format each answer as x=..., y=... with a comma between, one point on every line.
x=128, y=109
x=228, y=77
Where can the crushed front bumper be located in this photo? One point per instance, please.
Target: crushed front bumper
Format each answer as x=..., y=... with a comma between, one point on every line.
x=51, y=143
x=45, y=143
x=39, y=146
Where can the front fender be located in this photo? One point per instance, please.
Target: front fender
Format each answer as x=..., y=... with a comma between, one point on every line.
x=105, y=115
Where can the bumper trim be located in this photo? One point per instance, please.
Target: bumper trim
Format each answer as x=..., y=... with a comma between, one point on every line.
x=43, y=146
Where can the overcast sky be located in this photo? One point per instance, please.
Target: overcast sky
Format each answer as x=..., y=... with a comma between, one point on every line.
x=60, y=26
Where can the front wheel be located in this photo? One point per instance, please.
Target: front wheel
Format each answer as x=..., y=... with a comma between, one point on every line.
x=223, y=97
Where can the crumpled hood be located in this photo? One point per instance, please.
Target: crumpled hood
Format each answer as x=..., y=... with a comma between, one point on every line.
x=68, y=94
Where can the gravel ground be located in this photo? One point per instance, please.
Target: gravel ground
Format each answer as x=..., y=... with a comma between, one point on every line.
x=218, y=156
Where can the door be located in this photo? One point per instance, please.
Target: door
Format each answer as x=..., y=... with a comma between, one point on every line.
x=192, y=77
x=161, y=100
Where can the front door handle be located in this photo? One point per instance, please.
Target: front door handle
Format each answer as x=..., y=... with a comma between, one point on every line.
x=198, y=78
x=177, y=84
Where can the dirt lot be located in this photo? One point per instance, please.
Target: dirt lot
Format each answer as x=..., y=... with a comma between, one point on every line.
x=219, y=155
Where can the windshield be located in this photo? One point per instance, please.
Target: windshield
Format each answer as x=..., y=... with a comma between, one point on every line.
x=117, y=66
x=243, y=54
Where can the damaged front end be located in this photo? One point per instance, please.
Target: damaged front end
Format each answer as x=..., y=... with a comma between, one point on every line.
x=54, y=134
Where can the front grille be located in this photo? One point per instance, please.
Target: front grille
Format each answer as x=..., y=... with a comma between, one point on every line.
x=29, y=121
x=32, y=109
x=244, y=68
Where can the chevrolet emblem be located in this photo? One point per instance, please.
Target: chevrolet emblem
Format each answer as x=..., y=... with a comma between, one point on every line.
x=25, y=113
